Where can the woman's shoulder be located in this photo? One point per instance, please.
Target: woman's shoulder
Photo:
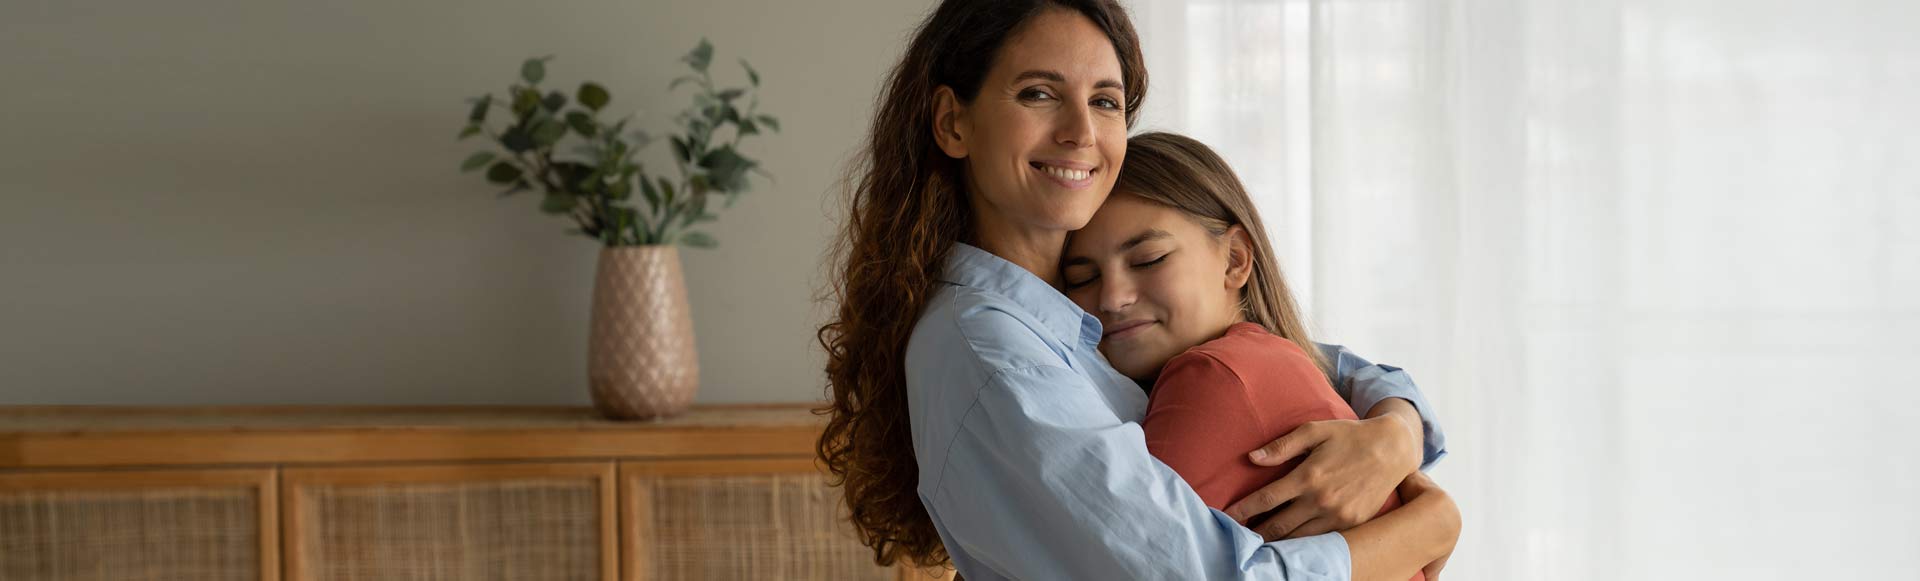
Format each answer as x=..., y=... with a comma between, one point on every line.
x=984, y=329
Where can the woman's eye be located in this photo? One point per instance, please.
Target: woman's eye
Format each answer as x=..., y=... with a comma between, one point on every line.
x=1034, y=94
x=1106, y=103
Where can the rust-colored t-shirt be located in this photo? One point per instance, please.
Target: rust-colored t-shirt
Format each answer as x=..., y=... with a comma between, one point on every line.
x=1221, y=399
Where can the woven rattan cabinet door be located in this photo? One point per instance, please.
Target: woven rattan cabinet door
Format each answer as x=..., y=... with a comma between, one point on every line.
x=508, y=522
x=163, y=525
x=738, y=519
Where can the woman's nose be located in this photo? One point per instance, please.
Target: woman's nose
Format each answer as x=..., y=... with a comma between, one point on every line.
x=1075, y=127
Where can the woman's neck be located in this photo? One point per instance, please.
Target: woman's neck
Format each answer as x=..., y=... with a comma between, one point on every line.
x=1034, y=249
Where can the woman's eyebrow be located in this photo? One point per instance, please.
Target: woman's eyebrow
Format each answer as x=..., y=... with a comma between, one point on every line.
x=1056, y=77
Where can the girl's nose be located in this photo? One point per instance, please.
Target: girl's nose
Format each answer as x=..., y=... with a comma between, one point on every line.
x=1116, y=294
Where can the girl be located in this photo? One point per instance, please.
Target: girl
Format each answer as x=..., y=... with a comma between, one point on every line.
x=1177, y=267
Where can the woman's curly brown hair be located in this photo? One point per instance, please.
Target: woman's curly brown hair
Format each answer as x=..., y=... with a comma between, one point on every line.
x=906, y=207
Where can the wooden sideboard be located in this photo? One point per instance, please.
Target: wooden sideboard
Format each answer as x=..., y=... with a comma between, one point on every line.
x=323, y=494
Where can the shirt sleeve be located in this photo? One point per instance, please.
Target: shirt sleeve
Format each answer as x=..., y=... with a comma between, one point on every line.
x=1044, y=481
x=1365, y=384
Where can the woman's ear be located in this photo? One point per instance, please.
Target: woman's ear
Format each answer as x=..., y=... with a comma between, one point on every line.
x=1239, y=257
x=950, y=126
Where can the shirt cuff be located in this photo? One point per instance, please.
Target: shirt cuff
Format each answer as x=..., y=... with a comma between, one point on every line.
x=1322, y=557
x=1376, y=383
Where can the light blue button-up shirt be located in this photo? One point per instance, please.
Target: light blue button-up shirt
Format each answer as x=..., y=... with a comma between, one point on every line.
x=1032, y=462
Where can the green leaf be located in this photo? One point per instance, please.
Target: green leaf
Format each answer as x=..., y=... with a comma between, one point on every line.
x=698, y=239
x=548, y=131
x=729, y=95
x=748, y=127
x=470, y=131
x=700, y=56
x=516, y=140
x=476, y=161
x=652, y=195
x=682, y=150
x=503, y=173
x=555, y=101
x=534, y=69
x=769, y=121
x=619, y=190
x=593, y=96
x=525, y=101
x=666, y=191
x=726, y=168
x=480, y=106
x=573, y=175
x=753, y=76
x=581, y=122
x=557, y=203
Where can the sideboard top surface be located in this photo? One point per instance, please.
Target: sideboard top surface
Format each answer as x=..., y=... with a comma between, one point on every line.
x=92, y=436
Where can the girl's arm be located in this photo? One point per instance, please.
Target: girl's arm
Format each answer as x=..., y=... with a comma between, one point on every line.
x=1419, y=536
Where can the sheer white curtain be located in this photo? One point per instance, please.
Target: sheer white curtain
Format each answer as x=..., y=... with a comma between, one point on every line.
x=1657, y=262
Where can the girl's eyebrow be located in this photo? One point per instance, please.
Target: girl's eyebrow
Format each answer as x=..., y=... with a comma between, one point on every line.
x=1153, y=234
x=1142, y=238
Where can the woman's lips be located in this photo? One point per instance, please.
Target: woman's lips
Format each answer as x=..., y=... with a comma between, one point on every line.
x=1073, y=176
x=1127, y=330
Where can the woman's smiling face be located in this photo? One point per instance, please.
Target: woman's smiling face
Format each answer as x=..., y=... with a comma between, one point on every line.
x=1159, y=282
x=1045, y=136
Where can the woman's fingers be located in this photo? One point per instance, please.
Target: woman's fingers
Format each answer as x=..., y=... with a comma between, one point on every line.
x=1295, y=443
x=1266, y=498
x=1284, y=522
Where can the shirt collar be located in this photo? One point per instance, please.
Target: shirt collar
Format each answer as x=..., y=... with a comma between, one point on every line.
x=969, y=266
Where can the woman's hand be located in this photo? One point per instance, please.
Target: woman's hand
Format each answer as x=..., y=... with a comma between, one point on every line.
x=1350, y=467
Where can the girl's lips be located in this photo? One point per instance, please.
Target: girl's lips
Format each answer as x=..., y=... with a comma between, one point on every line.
x=1128, y=329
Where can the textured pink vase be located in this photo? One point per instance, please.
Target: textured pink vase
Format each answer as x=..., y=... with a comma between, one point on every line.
x=641, y=362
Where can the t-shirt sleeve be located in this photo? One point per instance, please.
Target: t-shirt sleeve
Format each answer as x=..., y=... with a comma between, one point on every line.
x=1201, y=422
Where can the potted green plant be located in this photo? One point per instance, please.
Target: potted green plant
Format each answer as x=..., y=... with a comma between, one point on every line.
x=641, y=357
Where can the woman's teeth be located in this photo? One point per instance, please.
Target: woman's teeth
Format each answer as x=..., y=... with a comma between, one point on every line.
x=1072, y=175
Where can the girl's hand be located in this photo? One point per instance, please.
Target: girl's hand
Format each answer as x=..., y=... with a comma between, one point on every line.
x=1419, y=485
x=1350, y=467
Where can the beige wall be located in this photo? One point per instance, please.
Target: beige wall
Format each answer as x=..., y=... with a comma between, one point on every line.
x=231, y=202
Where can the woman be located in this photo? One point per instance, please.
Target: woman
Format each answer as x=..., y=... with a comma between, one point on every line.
x=971, y=417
